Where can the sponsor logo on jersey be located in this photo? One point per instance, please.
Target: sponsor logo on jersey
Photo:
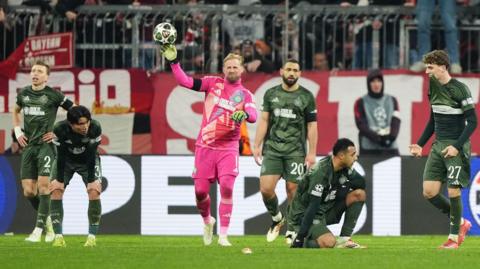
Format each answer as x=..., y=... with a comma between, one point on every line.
x=224, y=103
x=284, y=113
x=77, y=150
x=33, y=111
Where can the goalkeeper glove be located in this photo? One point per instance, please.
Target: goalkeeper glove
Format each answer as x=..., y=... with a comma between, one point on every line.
x=169, y=52
x=239, y=116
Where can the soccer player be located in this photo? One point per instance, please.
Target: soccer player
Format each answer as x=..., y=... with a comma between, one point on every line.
x=227, y=104
x=328, y=190
x=288, y=119
x=39, y=103
x=453, y=120
x=77, y=139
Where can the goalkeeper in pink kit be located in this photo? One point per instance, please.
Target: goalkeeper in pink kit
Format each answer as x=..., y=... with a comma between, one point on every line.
x=227, y=104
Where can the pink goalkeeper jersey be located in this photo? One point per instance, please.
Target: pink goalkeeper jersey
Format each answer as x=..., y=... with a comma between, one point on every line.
x=222, y=98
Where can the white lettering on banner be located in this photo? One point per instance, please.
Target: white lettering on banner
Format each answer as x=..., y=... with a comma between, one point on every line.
x=116, y=80
x=121, y=185
x=342, y=91
x=156, y=219
x=29, y=61
x=120, y=81
x=182, y=119
x=45, y=43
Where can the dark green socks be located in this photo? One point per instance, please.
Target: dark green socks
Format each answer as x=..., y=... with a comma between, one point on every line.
x=56, y=213
x=351, y=216
x=441, y=202
x=43, y=208
x=455, y=214
x=94, y=215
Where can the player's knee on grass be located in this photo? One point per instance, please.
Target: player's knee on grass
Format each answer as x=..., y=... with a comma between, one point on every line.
x=326, y=241
x=358, y=195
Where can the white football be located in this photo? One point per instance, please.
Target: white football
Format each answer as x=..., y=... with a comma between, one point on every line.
x=165, y=33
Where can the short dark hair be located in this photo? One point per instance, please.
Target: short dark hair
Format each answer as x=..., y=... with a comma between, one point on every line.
x=342, y=145
x=438, y=57
x=75, y=113
x=42, y=63
x=291, y=60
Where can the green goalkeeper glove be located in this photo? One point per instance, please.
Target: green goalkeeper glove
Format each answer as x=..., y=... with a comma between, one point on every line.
x=169, y=52
x=239, y=116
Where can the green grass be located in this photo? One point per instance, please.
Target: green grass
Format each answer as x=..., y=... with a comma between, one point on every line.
x=164, y=252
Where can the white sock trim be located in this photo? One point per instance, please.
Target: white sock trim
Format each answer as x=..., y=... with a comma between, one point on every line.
x=277, y=217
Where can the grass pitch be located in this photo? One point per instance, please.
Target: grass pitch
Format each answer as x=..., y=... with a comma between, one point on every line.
x=165, y=252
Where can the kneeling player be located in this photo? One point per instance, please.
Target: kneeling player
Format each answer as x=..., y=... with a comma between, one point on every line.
x=330, y=188
x=77, y=140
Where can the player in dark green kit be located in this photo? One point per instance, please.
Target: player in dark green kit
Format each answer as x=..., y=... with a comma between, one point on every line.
x=453, y=121
x=329, y=189
x=288, y=120
x=77, y=140
x=39, y=104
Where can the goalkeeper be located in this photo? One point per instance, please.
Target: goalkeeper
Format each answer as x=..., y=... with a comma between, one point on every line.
x=227, y=104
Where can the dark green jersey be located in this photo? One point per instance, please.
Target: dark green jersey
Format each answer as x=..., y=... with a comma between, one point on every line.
x=39, y=111
x=449, y=102
x=76, y=147
x=322, y=181
x=289, y=113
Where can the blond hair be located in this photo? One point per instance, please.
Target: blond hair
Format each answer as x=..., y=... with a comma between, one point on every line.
x=231, y=56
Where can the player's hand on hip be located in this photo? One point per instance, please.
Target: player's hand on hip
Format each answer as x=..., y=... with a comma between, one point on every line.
x=310, y=160
x=169, y=51
x=238, y=116
x=415, y=150
x=257, y=155
x=21, y=138
x=48, y=137
x=449, y=152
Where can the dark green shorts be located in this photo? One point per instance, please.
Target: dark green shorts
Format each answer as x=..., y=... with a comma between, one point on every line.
x=72, y=167
x=319, y=225
x=454, y=171
x=290, y=168
x=37, y=160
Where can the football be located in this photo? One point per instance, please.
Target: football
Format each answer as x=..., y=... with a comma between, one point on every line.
x=165, y=33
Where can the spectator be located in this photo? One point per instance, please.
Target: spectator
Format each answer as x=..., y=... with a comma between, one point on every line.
x=254, y=61
x=377, y=118
x=448, y=14
x=320, y=62
x=241, y=26
x=67, y=8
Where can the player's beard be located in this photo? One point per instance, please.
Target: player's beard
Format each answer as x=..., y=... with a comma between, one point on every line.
x=232, y=78
x=290, y=82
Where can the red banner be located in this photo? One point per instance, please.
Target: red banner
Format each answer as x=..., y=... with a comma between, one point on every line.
x=110, y=87
x=176, y=112
x=54, y=49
